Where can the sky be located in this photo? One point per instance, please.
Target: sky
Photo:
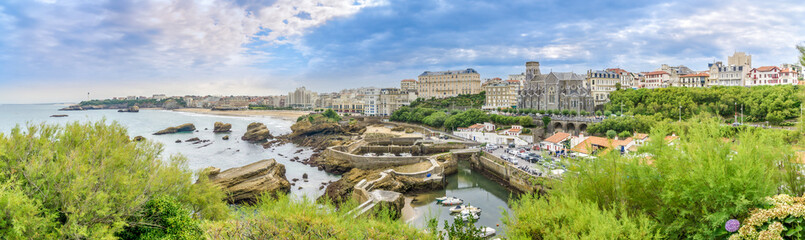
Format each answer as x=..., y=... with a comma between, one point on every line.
x=58, y=51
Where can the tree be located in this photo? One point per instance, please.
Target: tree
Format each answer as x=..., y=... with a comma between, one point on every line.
x=617, y=86
x=801, y=49
x=545, y=121
x=598, y=113
x=624, y=134
x=611, y=134
x=525, y=121
x=607, y=113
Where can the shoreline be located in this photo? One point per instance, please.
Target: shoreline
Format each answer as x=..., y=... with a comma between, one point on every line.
x=290, y=115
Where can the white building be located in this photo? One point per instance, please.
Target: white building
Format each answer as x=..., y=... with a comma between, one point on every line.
x=771, y=75
x=657, y=79
x=485, y=133
x=371, y=100
x=556, y=142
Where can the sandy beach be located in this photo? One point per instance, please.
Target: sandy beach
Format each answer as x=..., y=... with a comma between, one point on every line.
x=283, y=114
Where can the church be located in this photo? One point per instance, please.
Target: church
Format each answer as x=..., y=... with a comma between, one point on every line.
x=554, y=91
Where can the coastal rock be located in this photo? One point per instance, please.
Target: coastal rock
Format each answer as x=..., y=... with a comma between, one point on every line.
x=178, y=141
x=256, y=132
x=138, y=138
x=187, y=127
x=220, y=127
x=225, y=137
x=59, y=115
x=132, y=109
x=195, y=139
x=247, y=183
x=304, y=176
x=72, y=108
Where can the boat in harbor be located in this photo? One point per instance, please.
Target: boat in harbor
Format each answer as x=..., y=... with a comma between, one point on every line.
x=441, y=199
x=467, y=216
x=459, y=208
x=485, y=232
x=452, y=201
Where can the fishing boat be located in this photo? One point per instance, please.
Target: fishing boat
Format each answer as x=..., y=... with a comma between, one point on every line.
x=467, y=216
x=485, y=232
x=452, y=201
x=459, y=208
x=441, y=199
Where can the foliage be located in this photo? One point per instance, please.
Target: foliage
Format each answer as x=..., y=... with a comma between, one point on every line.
x=329, y=113
x=785, y=217
x=466, y=118
x=801, y=49
x=286, y=218
x=624, y=134
x=611, y=134
x=22, y=217
x=760, y=103
x=163, y=217
x=690, y=188
x=461, y=101
x=567, y=217
x=546, y=120
x=637, y=123
x=95, y=179
x=435, y=120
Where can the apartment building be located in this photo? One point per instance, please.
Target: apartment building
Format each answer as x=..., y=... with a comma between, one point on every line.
x=501, y=93
x=601, y=84
x=448, y=83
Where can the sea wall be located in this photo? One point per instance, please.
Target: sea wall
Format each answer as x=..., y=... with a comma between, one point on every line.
x=366, y=162
x=509, y=174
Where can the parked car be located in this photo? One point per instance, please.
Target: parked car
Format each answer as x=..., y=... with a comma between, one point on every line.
x=514, y=161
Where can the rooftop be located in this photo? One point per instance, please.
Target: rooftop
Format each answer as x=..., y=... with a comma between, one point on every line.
x=448, y=72
x=558, y=137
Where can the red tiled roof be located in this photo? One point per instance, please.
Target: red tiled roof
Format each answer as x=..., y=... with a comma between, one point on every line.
x=477, y=125
x=696, y=75
x=640, y=136
x=617, y=70
x=587, y=145
x=786, y=70
x=767, y=68
x=657, y=73
x=558, y=137
x=671, y=138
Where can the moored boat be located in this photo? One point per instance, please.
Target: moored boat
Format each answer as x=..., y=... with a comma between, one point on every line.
x=459, y=208
x=452, y=201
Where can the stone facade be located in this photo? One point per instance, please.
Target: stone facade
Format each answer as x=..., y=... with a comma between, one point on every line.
x=602, y=83
x=448, y=83
x=408, y=85
x=500, y=93
x=554, y=91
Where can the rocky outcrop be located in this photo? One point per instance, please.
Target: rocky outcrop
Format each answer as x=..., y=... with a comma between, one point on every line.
x=225, y=137
x=58, y=115
x=220, y=127
x=247, y=183
x=256, y=132
x=132, y=109
x=187, y=127
x=138, y=139
x=72, y=108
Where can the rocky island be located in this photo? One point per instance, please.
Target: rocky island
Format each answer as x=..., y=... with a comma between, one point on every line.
x=187, y=127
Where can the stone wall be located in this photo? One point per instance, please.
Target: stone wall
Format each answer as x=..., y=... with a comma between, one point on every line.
x=364, y=162
x=510, y=174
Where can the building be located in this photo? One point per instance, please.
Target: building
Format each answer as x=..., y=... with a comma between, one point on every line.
x=674, y=73
x=556, y=142
x=500, y=93
x=732, y=74
x=519, y=77
x=448, y=83
x=694, y=80
x=371, y=101
x=484, y=133
x=627, y=79
x=739, y=59
x=302, y=98
x=601, y=84
x=727, y=75
x=554, y=91
x=159, y=97
x=772, y=75
x=592, y=145
x=391, y=99
x=408, y=85
x=657, y=79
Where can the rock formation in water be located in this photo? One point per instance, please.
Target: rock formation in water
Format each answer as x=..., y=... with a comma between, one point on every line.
x=132, y=109
x=225, y=137
x=256, y=132
x=138, y=138
x=247, y=183
x=220, y=127
x=58, y=115
x=187, y=127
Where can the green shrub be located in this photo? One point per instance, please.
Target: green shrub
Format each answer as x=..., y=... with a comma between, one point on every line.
x=22, y=217
x=95, y=178
x=162, y=218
